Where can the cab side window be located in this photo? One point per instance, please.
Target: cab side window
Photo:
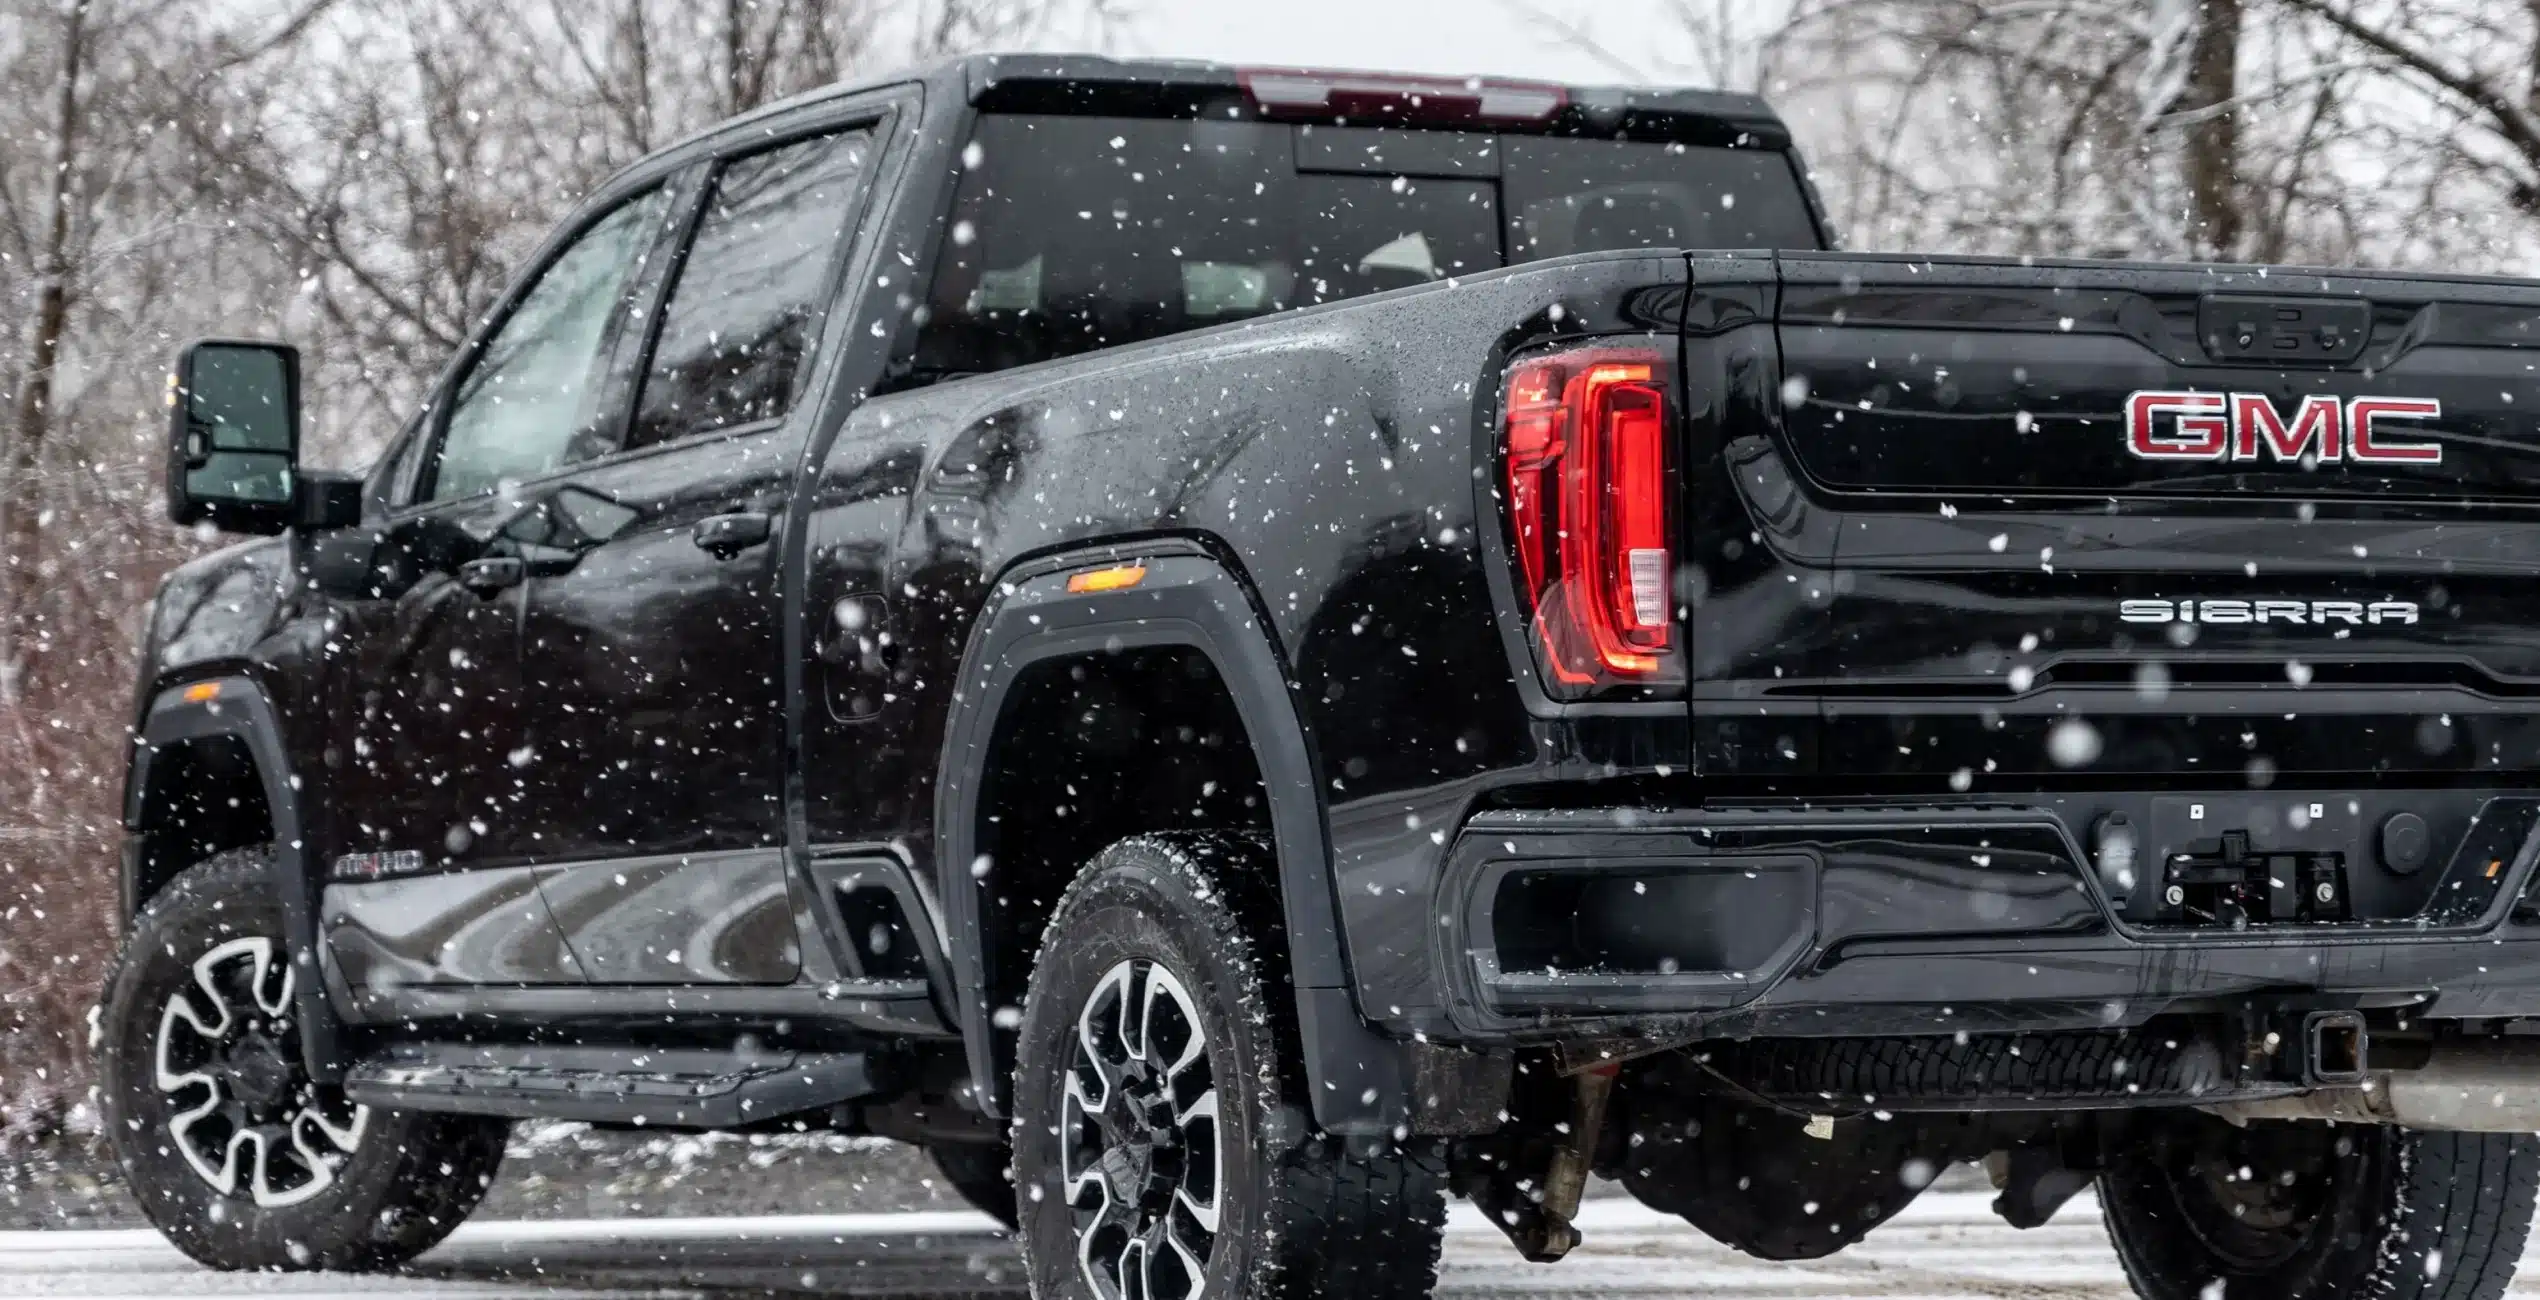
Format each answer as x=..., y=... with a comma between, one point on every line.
x=533, y=402
x=737, y=337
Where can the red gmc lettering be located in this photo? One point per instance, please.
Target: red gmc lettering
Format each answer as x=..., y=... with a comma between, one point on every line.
x=2204, y=430
x=2247, y=427
x=2367, y=412
x=2255, y=423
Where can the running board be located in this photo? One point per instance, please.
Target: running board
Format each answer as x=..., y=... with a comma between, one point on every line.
x=677, y=1088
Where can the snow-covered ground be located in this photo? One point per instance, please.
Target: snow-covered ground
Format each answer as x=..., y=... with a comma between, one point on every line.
x=1947, y=1246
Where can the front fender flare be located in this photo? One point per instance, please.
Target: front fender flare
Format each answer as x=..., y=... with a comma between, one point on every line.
x=235, y=706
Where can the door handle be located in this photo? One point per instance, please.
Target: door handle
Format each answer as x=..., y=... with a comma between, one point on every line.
x=724, y=536
x=492, y=574
x=548, y=561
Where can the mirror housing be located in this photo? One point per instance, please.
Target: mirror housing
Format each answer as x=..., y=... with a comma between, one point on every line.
x=325, y=498
x=234, y=435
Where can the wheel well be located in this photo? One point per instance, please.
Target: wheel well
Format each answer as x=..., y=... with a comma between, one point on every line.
x=1089, y=750
x=204, y=796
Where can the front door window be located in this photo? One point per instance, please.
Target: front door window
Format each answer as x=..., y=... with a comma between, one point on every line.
x=534, y=402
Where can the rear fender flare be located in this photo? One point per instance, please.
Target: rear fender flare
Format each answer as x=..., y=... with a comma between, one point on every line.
x=1361, y=1080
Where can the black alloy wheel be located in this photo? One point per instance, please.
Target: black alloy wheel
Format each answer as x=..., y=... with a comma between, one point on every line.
x=1140, y=1149
x=241, y=1109
x=1164, y=1145
x=226, y=1140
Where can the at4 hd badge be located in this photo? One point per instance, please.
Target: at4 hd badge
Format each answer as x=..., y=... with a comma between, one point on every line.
x=2247, y=426
x=376, y=866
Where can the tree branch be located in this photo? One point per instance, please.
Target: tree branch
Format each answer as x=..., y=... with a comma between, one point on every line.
x=2511, y=119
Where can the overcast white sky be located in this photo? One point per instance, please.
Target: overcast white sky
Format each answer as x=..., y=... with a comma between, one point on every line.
x=1444, y=36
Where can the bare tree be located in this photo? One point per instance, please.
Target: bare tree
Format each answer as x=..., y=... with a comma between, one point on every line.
x=2208, y=115
x=2480, y=62
x=409, y=175
x=50, y=261
x=102, y=269
x=2384, y=132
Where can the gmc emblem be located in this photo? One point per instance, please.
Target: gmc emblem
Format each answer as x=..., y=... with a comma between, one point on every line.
x=2246, y=426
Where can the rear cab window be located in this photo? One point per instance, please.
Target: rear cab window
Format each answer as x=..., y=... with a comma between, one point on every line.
x=1583, y=196
x=1069, y=232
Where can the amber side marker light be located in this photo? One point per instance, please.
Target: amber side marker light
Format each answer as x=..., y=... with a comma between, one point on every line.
x=201, y=691
x=1115, y=578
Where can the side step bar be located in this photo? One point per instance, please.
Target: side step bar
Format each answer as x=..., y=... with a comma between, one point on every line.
x=679, y=1087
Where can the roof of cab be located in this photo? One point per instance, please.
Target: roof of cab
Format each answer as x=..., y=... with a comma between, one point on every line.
x=978, y=78
x=1601, y=109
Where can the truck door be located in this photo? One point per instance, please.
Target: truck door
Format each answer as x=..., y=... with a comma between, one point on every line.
x=432, y=877
x=654, y=653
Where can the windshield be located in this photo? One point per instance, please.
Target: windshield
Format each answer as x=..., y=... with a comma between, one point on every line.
x=1070, y=233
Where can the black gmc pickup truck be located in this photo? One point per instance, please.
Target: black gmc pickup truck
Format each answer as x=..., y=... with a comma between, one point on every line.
x=1238, y=651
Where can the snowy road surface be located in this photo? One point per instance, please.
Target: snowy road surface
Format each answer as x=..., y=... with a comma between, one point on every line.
x=1947, y=1245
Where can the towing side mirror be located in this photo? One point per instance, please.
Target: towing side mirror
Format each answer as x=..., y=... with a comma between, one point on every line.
x=234, y=435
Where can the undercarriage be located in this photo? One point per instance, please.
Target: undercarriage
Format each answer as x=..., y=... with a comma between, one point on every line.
x=2248, y=1131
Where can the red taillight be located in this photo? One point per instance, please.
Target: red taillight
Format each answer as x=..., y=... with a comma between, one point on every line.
x=1588, y=492
x=1377, y=96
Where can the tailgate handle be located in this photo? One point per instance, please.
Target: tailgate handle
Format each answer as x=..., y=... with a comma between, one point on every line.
x=2244, y=327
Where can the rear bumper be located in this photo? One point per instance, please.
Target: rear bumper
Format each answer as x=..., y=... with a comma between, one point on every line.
x=1783, y=921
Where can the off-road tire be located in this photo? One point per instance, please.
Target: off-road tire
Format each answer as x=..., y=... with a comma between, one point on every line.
x=977, y=1170
x=2391, y=1214
x=1302, y=1213
x=409, y=1180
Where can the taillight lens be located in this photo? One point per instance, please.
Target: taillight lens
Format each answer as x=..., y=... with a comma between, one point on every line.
x=1589, y=502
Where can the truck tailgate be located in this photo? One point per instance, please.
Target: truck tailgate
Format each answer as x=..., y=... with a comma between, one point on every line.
x=2103, y=519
